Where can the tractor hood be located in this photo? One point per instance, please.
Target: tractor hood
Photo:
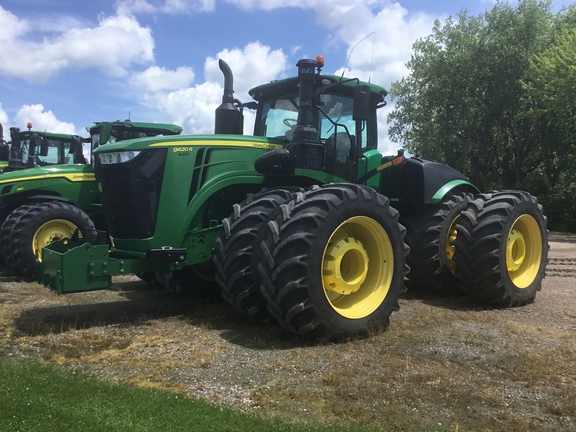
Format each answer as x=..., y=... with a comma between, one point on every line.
x=182, y=143
x=76, y=172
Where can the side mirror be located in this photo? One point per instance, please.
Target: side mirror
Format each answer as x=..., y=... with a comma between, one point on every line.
x=105, y=131
x=75, y=144
x=361, y=102
x=43, y=147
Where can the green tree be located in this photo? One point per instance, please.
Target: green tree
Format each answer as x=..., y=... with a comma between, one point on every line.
x=550, y=98
x=463, y=100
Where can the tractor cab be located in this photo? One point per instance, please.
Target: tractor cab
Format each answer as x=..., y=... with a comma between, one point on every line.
x=338, y=134
x=327, y=123
x=110, y=132
x=30, y=149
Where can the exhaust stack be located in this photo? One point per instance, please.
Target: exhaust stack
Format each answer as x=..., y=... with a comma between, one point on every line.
x=229, y=118
x=15, y=161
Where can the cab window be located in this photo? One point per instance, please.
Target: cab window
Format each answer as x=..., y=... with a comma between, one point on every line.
x=278, y=117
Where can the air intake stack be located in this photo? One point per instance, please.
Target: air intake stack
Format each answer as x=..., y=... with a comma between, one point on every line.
x=306, y=149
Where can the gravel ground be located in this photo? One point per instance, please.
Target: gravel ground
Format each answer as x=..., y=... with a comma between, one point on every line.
x=445, y=363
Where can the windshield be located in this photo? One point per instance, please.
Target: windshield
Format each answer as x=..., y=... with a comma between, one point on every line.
x=121, y=133
x=278, y=117
x=118, y=134
x=57, y=153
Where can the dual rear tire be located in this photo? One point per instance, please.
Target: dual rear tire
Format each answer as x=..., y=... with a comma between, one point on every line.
x=501, y=248
x=494, y=246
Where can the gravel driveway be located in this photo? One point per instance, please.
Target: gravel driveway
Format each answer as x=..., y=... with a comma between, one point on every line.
x=445, y=363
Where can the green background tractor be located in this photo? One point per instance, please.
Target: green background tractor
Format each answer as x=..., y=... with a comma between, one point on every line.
x=48, y=196
x=304, y=220
x=29, y=149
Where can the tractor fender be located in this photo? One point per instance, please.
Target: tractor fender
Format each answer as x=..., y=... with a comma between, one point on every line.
x=419, y=182
x=8, y=204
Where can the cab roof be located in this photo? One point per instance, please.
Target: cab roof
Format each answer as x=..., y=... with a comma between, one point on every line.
x=290, y=86
x=47, y=135
x=153, y=128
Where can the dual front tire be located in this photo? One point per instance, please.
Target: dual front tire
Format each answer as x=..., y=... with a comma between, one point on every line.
x=328, y=263
x=32, y=226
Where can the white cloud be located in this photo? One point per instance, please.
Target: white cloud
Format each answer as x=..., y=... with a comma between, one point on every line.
x=193, y=108
x=10, y=26
x=56, y=23
x=275, y=4
x=112, y=46
x=4, y=119
x=129, y=7
x=177, y=6
x=42, y=120
x=252, y=65
x=294, y=49
x=155, y=79
x=118, y=42
x=380, y=58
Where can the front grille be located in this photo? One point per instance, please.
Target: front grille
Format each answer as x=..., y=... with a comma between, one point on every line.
x=131, y=192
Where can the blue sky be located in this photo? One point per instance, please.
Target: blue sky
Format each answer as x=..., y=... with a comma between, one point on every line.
x=65, y=64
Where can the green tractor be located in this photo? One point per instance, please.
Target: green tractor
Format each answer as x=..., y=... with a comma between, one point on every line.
x=304, y=220
x=29, y=149
x=47, y=196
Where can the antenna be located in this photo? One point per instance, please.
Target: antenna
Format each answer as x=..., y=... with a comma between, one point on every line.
x=49, y=117
x=372, y=59
x=352, y=50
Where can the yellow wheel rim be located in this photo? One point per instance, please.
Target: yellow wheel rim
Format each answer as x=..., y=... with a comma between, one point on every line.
x=357, y=267
x=53, y=230
x=450, y=248
x=524, y=251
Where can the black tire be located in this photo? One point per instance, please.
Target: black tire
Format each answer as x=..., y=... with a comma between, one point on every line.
x=502, y=248
x=332, y=261
x=430, y=236
x=6, y=232
x=39, y=225
x=233, y=257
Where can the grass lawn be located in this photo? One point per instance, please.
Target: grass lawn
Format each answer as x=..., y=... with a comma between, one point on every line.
x=41, y=398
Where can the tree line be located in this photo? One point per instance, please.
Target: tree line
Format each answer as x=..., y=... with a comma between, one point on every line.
x=494, y=96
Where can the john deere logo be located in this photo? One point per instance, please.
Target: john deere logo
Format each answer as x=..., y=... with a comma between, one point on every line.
x=83, y=177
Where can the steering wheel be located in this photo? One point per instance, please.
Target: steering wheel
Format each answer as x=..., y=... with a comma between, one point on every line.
x=290, y=122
